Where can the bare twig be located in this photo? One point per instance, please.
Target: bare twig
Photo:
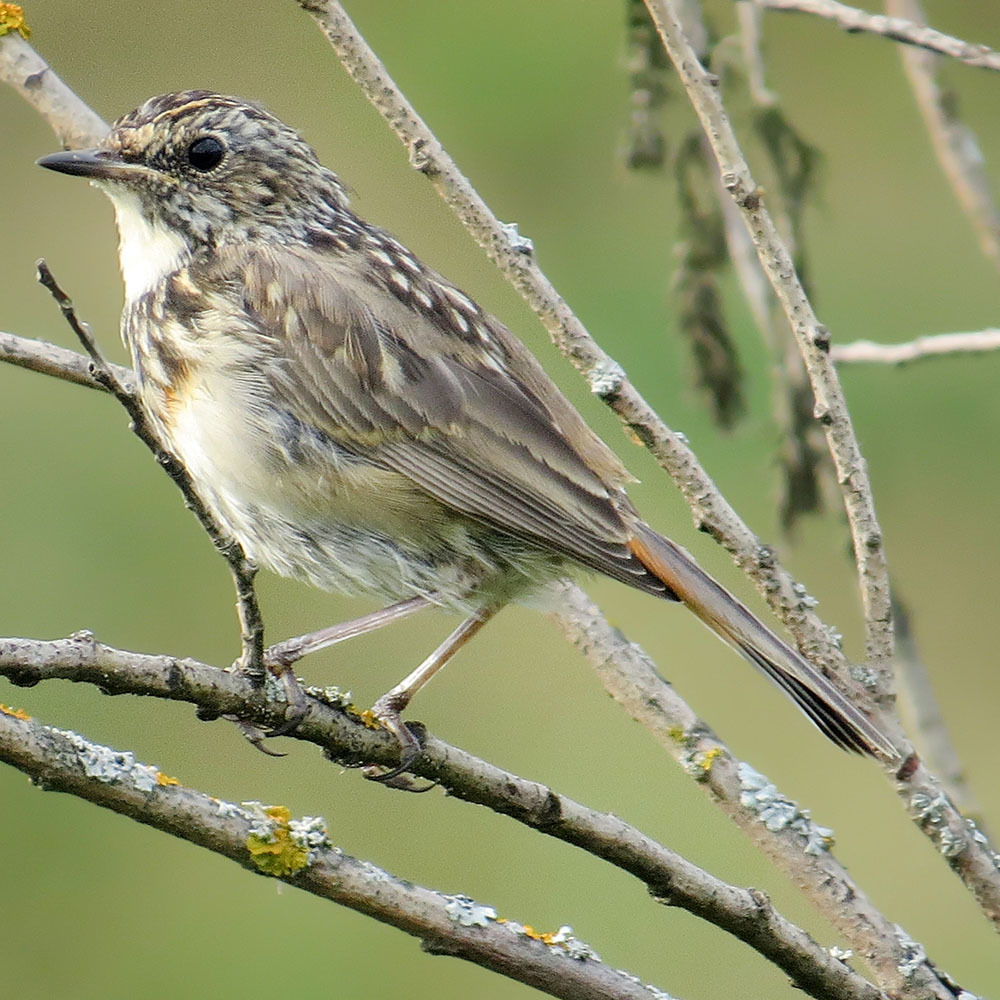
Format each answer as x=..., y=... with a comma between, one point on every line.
x=243, y=571
x=49, y=359
x=897, y=29
x=955, y=144
x=749, y=16
x=342, y=733
x=813, y=338
x=30, y=75
x=802, y=453
x=935, y=346
x=266, y=840
x=966, y=850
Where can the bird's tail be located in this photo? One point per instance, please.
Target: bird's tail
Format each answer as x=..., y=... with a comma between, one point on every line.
x=822, y=703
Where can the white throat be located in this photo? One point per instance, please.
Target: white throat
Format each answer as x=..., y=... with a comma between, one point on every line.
x=147, y=252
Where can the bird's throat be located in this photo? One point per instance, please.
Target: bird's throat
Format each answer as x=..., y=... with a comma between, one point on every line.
x=148, y=250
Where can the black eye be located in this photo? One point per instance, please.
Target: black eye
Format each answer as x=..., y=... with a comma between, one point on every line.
x=206, y=153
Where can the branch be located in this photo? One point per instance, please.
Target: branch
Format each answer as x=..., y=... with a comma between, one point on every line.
x=812, y=337
x=799, y=849
x=964, y=847
x=341, y=731
x=955, y=144
x=897, y=29
x=49, y=359
x=267, y=841
x=30, y=75
x=514, y=258
x=936, y=346
x=806, y=471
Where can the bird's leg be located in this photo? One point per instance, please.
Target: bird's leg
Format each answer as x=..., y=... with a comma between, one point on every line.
x=388, y=708
x=279, y=659
x=284, y=654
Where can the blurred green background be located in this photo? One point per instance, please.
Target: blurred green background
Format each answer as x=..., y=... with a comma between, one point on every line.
x=532, y=100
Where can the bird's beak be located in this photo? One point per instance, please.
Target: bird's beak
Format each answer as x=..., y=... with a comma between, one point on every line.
x=97, y=164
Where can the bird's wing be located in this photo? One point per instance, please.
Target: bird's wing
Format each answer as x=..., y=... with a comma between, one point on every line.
x=422, y=382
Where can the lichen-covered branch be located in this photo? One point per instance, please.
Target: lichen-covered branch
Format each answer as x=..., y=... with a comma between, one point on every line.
x=966, y=850
x=897, y=29
x=268, y=841
x=799, y=845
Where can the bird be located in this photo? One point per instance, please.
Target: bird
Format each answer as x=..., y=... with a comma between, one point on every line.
x=356, y=420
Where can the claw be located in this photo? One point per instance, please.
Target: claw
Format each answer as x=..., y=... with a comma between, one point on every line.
x=386, y=713
x=298, y=705
x=401, y=782
x=255, y=736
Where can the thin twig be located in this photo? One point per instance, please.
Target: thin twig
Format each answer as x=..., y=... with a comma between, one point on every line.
x=802, y=455
x=243, y=571
x=266, y=840
x=967, y=852
x=343, y=735
x=749, y=16
x=955, y=144
x=897, y=29
x=812, y=337
x=936, y=346
x=49, y=359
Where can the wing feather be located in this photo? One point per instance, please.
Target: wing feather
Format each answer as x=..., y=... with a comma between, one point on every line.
x=478, y=427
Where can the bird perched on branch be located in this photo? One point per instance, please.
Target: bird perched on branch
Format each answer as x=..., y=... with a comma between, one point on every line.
x=357, y=421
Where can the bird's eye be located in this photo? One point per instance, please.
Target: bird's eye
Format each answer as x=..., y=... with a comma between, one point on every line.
x=206, y=153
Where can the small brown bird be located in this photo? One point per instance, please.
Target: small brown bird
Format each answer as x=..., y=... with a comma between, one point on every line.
x=357, y=421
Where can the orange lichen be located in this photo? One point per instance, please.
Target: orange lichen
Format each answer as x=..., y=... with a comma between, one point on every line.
x=276, y=853
x=12, y=19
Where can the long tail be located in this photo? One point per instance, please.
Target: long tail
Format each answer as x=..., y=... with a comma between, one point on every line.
x=822, y=703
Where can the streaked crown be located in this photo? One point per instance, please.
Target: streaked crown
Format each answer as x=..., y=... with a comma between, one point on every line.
x=218, y=169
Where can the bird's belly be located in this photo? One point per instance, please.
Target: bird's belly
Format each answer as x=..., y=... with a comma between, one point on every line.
x=304, y=506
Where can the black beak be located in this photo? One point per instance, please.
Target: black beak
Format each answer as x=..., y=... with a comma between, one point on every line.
x=98, y=164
